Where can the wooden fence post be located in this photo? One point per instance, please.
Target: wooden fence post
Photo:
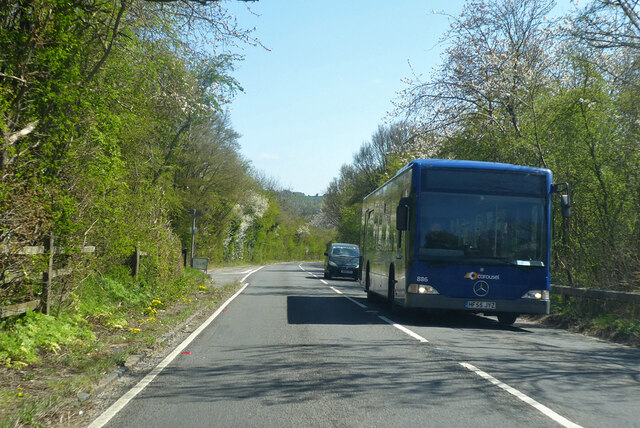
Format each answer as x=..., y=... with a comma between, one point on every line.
x=47, y=277
x=136, y=262
x=43, y=303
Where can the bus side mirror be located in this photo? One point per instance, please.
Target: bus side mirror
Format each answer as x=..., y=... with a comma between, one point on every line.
x=565, y=204
x=402, y=215
x=565, y=201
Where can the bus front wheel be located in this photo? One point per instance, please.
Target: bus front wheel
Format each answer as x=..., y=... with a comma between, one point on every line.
x=367, y=285
x=391, y=291
x=507, y=318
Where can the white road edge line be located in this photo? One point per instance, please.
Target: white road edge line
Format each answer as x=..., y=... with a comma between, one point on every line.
x=530, y=401
x=251, y=272
x=124, y=400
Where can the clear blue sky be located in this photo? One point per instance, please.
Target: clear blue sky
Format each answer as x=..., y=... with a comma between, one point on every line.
x=328, y=81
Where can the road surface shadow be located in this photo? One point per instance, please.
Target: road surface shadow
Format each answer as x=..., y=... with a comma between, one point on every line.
x=338, y=310
x=326, y=310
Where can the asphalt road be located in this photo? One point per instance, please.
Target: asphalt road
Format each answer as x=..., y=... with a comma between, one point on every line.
x=296, y=350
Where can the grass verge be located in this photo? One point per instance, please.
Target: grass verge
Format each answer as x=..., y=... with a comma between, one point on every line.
x=617, y=322
x=51, y=366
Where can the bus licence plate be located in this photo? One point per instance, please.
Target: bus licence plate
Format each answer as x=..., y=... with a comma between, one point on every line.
x=478, y=304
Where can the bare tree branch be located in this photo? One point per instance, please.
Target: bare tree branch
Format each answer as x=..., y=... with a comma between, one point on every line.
x=11, y=140
x=19, y=79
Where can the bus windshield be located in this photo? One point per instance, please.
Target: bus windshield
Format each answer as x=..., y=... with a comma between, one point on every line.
x=482, y=229
x=345, y=251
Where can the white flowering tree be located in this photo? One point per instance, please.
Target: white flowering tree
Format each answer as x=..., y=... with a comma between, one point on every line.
x=499, y=57
x=609, y=24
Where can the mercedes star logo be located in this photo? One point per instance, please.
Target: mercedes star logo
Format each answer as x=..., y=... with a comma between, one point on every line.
x=481, y=288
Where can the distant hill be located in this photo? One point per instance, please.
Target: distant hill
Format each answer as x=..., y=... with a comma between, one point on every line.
x=299, y=204
x=310, y=208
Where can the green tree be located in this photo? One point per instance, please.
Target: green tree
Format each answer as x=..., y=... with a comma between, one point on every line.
x=101, y=105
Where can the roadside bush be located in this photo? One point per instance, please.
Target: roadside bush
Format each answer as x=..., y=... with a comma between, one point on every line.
x=109, y=299
x=26, y=336
x=106, y=298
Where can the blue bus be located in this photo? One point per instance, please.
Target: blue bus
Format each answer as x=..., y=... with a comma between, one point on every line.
x=461, y=235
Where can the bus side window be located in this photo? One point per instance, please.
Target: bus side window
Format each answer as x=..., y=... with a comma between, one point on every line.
x=377, y=233
x=370, y=230
x=387, y=234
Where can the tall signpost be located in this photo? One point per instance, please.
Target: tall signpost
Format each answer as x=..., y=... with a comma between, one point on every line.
x=194, y=213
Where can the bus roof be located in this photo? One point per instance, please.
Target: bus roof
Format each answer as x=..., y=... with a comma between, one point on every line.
x=465, y=164
x=468, y=164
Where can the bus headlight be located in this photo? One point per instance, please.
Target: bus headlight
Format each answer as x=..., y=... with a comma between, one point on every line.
x=536, y=295
x=421, y=289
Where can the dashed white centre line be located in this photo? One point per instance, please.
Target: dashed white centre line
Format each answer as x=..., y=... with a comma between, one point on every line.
x=348, y=298
x=385, y=319
x=404, y=329
x=521, y=396
x=530, y=401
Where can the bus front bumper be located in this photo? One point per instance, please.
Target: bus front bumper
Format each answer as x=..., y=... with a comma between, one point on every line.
x=486, y=306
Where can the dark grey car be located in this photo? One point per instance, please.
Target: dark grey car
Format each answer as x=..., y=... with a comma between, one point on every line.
x=342, y=260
